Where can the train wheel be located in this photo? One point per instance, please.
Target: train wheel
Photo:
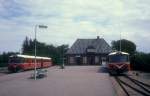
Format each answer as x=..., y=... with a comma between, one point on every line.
x=20, y=69
x=112, y=73
x=14, y=70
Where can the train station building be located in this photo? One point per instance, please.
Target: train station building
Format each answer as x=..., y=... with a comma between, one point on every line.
x=88, y=52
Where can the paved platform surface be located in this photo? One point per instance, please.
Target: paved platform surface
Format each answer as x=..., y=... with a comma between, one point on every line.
x=71, y=81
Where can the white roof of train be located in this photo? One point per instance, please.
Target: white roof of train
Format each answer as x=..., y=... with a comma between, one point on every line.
x=118, y=52
x=32, y=57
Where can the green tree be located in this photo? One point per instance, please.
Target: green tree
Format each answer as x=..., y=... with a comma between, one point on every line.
x=25, y=45
x=126, y=46
x=141, y=61
x=55, y=52
x=4, y=58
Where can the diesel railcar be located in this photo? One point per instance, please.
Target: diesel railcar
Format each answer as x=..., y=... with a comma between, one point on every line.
x=118, y=62
x=26, y=62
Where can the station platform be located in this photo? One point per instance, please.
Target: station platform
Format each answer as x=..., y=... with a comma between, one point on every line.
x=71, y=81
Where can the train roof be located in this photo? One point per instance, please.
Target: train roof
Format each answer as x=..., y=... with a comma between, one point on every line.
x=29, y=56
x=118, y=52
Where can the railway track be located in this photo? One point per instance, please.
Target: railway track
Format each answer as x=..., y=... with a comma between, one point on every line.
x=132, y=87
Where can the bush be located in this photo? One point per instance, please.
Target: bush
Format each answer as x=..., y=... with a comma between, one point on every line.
x=141, y=61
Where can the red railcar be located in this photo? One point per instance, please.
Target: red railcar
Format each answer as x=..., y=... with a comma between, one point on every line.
x=118, y=62
x=26, y=62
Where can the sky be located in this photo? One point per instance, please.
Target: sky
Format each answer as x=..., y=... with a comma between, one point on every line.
x=68, y=20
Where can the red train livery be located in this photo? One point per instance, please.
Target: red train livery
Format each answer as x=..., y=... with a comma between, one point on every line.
x=25, y=62
x=118, y=62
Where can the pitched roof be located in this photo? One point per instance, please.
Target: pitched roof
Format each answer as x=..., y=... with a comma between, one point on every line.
x=80, y=46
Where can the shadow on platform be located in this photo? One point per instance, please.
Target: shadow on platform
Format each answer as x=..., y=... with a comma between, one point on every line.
x=103, y=70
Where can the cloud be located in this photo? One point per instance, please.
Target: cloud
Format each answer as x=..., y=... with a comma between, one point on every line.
x=68, y=20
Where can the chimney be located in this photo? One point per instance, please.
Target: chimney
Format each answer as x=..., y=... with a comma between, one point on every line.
x=97, y=37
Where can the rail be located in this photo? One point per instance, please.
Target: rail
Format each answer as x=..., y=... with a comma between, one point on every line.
x=122, y=84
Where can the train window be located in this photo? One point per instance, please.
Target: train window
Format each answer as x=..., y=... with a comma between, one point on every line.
x=118, y=58
x=22, y=60
x=26, y=60
x=29, y=60
x=15, y=60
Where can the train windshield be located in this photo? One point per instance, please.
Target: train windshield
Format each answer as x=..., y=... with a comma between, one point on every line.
x=119, y=58
x=15, y=60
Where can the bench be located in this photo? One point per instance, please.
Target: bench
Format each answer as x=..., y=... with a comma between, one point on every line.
x=40, y=73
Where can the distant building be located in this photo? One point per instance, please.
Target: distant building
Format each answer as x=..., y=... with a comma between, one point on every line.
x=88, y=52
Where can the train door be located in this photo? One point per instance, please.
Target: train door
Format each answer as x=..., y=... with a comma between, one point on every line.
x=29, y=63
x=26, y=64
x=42, y=63
x=78, y=60
x=91, y=60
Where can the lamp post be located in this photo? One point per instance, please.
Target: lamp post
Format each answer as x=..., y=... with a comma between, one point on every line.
x=63, y=57
x=63, y=65
x=35, y=63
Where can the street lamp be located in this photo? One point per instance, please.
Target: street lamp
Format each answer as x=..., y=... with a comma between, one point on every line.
x=35, y=65
x=63, y=57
